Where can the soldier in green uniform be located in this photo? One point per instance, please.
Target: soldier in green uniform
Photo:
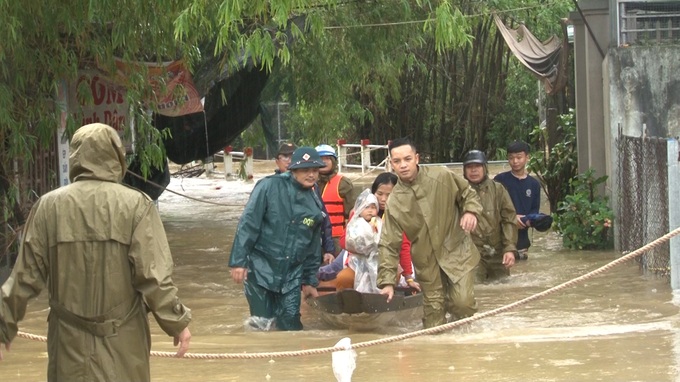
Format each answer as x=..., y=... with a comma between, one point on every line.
x=278, y=241
x=437, y=210
x=496, y=232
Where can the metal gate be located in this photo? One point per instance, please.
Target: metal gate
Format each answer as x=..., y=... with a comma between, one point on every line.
x=643, y=199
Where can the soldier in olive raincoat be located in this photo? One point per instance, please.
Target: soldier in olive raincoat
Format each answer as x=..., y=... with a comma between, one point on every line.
x=436, y=209
x=496, y=232
x=277, y=243
x=100, y=249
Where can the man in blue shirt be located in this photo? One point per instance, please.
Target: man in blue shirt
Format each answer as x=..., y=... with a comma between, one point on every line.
x=524, y=190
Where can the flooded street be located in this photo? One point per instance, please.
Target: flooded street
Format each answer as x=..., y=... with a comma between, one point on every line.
x=619, y=326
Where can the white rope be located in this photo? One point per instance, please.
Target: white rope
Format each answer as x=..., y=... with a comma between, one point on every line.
x=437, y=329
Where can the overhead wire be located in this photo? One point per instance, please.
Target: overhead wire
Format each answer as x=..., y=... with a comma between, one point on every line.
x=408, y=22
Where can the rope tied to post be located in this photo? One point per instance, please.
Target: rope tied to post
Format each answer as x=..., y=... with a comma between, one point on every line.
x=401, y=337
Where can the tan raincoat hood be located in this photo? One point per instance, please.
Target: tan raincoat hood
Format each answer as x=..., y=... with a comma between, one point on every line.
x=102, y=157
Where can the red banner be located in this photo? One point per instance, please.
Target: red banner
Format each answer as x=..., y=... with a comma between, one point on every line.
x=178, y=96
x=168, y=102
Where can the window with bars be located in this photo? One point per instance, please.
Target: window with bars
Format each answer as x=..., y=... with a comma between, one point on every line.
x=648, y=22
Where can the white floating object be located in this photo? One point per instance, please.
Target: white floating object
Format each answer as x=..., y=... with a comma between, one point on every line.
x=344, y=361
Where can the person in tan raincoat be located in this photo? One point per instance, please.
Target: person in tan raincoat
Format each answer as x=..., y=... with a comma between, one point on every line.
x=496, y=232
x=100, y=249
x=437, y=210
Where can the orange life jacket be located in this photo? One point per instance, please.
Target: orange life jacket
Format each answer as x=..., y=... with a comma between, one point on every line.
x=334, y=205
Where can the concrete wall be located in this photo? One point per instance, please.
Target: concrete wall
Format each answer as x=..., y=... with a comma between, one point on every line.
x=621, y=89
x=644, y=88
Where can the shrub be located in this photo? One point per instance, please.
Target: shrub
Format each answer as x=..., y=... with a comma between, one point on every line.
x=584, y=219
x=555, y=164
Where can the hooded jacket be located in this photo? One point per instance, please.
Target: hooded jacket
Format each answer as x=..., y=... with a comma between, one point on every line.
x=428, y=211
x=101, y=250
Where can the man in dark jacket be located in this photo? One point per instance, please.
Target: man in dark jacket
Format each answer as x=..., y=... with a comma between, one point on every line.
x=524, y=190
x=283, y=158
x=277, y=243
x=100, y=249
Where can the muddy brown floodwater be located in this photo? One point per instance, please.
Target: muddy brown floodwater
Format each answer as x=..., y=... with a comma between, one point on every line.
x=618, y=326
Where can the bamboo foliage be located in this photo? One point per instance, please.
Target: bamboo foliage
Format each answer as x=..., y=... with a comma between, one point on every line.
x=448, y=102
x=434, y=70
x=446, y=99
x=45, y=44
